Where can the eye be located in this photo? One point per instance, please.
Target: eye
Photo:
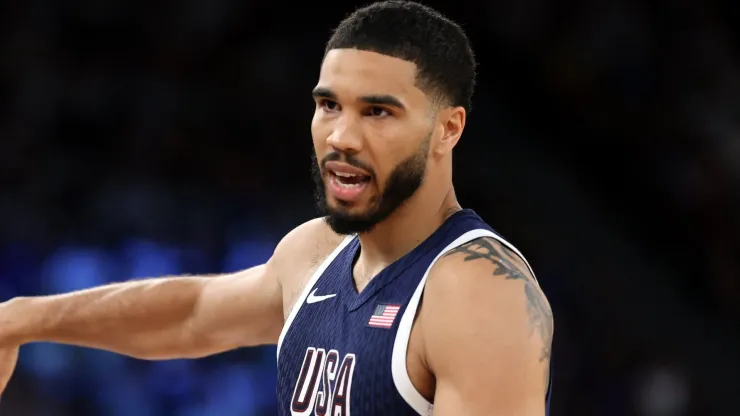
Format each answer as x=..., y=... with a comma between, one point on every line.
x=329, y=106
x=378, y=112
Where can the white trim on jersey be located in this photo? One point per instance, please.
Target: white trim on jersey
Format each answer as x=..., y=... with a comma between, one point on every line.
x=307, y=289
x=400, y=347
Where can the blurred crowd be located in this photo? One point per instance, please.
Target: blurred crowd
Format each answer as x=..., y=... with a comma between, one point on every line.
x=146, y=139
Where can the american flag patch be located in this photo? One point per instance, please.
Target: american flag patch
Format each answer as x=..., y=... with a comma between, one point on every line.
x=383, y=316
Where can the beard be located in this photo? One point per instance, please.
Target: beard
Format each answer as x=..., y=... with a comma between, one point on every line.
x=403, y=182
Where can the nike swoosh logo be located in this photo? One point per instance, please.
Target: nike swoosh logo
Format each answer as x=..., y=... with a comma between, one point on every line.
x=312, y=298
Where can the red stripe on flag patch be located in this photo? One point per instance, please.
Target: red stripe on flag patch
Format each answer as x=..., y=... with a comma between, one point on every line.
x=384, y=315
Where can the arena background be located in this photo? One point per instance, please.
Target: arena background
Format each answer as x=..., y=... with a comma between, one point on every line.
x=147, y=138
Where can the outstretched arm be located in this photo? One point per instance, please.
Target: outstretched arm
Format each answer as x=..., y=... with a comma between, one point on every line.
x=165, y=318
x=176, y=317
x=487, y=333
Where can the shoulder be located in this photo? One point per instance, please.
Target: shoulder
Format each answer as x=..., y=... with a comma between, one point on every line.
x=311, y=237
x=485, y=298
x=301, y=251
x=492, y=290
x=484, y=263
x=484, y=266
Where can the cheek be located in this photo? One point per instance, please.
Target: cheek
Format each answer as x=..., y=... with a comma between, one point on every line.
x=384, y=161
x=390, y=149
x=388, y=154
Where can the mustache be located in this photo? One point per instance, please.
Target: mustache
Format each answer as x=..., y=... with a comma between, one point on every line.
x=348, y=159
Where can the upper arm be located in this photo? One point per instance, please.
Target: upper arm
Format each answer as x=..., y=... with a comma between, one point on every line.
x=239, y=309
x=487, y=332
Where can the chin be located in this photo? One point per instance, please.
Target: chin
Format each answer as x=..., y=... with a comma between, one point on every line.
x=344, y=223
x=345, y=219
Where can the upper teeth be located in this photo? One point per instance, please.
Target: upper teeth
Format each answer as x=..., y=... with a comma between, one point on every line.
x=345, y=175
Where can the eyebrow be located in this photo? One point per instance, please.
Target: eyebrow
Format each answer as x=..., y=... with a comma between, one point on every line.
x=379, y=99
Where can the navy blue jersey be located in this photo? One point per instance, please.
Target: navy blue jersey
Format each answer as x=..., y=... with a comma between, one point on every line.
x=343, y=353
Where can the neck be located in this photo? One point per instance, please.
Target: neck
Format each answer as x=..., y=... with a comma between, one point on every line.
x=406, y=228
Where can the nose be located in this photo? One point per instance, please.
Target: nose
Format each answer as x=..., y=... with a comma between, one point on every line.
x=346, y=136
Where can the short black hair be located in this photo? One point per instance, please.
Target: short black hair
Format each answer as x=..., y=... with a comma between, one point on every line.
x=416, y=33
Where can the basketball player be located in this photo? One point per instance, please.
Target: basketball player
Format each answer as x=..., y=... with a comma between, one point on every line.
x=397, y=301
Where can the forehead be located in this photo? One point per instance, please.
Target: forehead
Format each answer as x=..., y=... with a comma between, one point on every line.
x=352, y=73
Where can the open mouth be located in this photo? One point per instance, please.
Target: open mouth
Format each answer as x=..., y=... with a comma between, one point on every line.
x=347, y=186
x=348, y=180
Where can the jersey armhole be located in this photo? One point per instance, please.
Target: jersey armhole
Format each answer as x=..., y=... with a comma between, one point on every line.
x=399, y=370
x=307, y=289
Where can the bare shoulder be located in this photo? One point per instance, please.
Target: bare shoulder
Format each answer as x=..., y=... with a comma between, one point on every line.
x=299, y=254
x=487, y=267
x=483, y=281
x=307, y=241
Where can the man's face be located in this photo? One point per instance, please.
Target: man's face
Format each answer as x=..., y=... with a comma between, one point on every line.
x=371, y=133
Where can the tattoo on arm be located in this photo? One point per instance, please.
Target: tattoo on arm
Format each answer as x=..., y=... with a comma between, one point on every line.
x=540, y=315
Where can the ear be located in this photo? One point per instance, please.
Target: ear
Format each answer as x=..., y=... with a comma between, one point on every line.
x=452, y=124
